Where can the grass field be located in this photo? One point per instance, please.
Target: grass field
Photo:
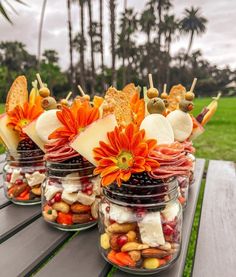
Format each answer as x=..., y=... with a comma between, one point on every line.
x=218, y=142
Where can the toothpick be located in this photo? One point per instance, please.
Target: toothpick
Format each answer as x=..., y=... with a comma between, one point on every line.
x=150, y=80
x=164, y=88
x=39, y=80
x=68, y=95
x=81, y=90
x=193, y=84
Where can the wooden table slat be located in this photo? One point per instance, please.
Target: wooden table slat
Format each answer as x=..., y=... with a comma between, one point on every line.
x=216, y=244
x=79, y=257
x=177, y=269
x=3, y=200
x=14, y=217
x=28, y=249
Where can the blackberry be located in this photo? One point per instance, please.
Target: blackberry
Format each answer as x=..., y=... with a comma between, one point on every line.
x=26, y=144
x=75, y=160
x=143, y=179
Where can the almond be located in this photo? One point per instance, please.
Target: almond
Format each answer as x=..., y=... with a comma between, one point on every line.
x=80, y=218
x=130, y=246
x=154, y=253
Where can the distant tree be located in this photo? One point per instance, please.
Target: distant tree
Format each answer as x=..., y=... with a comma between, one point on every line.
x=193, y=23
x=112, y=6
x=7, y=6
x=50, y=56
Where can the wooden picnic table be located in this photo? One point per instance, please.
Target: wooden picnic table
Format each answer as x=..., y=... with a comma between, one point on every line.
x=29, y=246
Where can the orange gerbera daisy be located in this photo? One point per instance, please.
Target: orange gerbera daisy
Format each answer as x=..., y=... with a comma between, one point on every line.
x=126, y=153
x=74, y=119
x=23, y=115
x=138, y=108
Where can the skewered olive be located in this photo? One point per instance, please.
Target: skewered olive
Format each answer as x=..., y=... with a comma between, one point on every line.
x=86, y=97
x=155, y=105
x=164, y=95
x=44, y=92
x=185, y=105
x=189, y=96
x=152, y=92
x=49, y=103
x=64, y=102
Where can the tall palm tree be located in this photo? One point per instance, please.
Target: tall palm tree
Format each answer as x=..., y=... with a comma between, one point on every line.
x=40, y=31
x=147, y=22
x=112, y=6
x=193, y=23
x=82, y=44
x=101, y=40
x=91, y=46
x=70, y=43
x=6, y=6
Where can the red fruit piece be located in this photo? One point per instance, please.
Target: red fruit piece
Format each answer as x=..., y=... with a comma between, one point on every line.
x=18, y=182
x=8, y=177
x=121, y=240
x=168, y=231
x=57, y=197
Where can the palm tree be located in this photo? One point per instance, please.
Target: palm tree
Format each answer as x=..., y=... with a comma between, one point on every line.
x=40, y=31
x=101, y=40
x=112, y=6
x=193, y=23
x=6, y=6
x=147, y=22
x=70, y=43
x=91, y=46
x=82, y=44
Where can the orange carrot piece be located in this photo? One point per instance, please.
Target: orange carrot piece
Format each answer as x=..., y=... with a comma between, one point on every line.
x=125, y=259
x=112, y=258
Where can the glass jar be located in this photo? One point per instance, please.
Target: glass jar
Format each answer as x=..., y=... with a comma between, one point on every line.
x=70, y=196
x=140, y=227
x=23, y=174
x=183, y=182
x=191, y=176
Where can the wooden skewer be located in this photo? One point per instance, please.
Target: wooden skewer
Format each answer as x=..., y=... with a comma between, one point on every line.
x=193, y=84
x=39, y=80
x=150, y=80
x=164, y=88
x=81, y=90
x=68, y=95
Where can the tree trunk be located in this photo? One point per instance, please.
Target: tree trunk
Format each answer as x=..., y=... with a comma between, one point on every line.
x=190, y=42
x=101, y=43
x=168, y=62
x=159, y=39
x=70, y=44
x=124, y=51
x=81, y=48
x=91, y=46
x=148, y=52
x=112, y=30
x=40, y=32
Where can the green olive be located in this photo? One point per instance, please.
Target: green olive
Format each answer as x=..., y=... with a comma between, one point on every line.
x=44, y=92
x=64, y=102
x=189, y=96
x=156, y=105
x=185, y=106
x=49, y=103
x=164, y=95
x=152, y=92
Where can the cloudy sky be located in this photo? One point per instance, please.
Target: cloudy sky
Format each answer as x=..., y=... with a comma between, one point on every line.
x=218, y=44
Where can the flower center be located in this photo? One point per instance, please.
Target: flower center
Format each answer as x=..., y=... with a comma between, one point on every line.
x=125, y=160
x=24, y=122
x=81, y=129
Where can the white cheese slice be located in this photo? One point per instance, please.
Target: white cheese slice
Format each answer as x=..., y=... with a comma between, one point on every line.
x=69, y=198
x=50, y=191
x=16, y=175
x=171, y=211
x=85, y=199
x=35, y=178
x=150, y=228
x=121, y=214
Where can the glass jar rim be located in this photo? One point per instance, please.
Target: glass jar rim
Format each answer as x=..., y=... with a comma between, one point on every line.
x=37, y=154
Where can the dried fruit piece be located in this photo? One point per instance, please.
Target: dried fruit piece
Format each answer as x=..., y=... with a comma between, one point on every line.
x=79, y=208
x=151, y=263
x=121, y=228
x=105, y=241
x=61, y=207
x=18, y=93
x=125, y=259
x=64, y=218
x=112, y=258
x=154, y=253
x=135, y=255
x=81, y=218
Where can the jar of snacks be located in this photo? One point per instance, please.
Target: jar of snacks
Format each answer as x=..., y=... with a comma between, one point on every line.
x=191, y=176
x=140, y=224
x=183, y=182
x=23, y=175
x=70, y=195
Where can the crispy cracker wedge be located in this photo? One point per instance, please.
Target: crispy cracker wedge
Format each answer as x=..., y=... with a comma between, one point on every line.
x=18, y=93
x=177, y=93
